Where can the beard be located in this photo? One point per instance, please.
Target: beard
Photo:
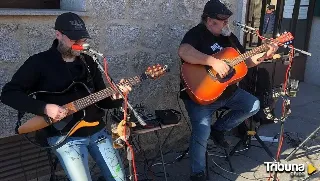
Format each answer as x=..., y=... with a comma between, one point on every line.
x=66, y=51
x=226, y=31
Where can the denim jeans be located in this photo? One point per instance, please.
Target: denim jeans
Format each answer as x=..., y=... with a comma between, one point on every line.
x=73, y=156
x=242, y=104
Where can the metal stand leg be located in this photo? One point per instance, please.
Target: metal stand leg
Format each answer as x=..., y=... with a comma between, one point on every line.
x=129, y=158
x=301, y=144
x=247, y=139
x=162, y=159
x=264, y=146
x=228, y=159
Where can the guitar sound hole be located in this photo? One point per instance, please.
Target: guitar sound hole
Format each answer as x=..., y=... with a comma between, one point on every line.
x=231, y=73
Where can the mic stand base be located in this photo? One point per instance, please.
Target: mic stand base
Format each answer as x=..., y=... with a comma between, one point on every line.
x=302, y=144
x=280, y=142
x=247, y=142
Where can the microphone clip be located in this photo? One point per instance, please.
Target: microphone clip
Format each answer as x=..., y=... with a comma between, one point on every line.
x=243, y=26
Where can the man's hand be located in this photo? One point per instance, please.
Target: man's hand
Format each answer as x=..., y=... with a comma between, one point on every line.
x=220, y=67
x=55, y=112
x=273, y=47
x=125, y=88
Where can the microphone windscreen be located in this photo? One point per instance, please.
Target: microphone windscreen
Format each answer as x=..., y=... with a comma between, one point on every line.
x=76, y=47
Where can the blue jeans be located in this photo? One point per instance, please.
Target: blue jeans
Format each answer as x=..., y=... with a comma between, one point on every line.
x=242, y=104
x=73, y=156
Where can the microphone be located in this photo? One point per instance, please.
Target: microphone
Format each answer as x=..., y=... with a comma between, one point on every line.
x=85, y=46
x=235, y=23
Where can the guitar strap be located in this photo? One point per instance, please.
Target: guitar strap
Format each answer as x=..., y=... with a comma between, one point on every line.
x=89, y=77
x=233, y=44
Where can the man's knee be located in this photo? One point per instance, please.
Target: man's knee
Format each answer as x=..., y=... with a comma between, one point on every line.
x=252, y=105
x=255, y=106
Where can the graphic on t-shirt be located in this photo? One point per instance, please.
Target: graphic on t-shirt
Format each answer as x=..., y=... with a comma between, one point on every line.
x=215, y=47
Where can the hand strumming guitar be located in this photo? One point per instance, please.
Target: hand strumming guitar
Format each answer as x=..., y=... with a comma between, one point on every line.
x=55, y=111
x=220, y=67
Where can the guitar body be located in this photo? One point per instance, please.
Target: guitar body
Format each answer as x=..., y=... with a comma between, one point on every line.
x=204, y=85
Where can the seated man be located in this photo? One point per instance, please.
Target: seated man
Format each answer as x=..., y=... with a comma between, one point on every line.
x=54, y=70
x=210, y=36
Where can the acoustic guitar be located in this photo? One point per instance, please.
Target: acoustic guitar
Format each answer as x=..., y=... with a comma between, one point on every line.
x=80, y=107
x=204, y=85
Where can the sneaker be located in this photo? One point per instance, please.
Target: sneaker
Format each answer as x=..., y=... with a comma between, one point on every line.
x=218, y=138
x=201, y=176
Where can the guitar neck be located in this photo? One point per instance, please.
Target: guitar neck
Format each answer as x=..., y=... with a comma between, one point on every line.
x=249, y=54
x=100, y=95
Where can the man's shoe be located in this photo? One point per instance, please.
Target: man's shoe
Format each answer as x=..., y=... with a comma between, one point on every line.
x=198, y=177
x=218, y=138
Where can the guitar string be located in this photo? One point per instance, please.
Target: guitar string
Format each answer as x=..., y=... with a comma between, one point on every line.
x=82, y=102
x=241, y=57
x=85, y=101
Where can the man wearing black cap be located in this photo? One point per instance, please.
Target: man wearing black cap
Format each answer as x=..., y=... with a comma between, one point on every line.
x=55, y=70
x=199, y=43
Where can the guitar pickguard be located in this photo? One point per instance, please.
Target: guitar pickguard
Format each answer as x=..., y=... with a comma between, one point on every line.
x=217, y=77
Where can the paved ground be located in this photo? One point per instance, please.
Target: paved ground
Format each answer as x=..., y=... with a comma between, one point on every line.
x=249, y=164
x=303, y=120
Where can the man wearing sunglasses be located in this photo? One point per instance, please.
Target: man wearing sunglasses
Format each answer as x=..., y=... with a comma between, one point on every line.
x=210, y=36
x=55, y=70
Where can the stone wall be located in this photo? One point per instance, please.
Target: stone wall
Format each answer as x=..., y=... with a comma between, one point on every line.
x=132, y=35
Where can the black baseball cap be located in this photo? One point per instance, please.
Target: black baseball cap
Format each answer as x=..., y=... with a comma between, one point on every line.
x=271, y=6
x=217, y=10
x=71, y=25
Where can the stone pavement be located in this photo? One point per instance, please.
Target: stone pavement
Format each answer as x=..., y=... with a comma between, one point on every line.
x=303, y=120
x=249, y=163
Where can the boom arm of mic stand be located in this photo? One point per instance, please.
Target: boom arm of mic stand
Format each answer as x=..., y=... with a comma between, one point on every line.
x=140, y=120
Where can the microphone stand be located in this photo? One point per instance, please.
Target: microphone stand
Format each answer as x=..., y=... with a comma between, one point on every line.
x=94, y=54
x=289, y=91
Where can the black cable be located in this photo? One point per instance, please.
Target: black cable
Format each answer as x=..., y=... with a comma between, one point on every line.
x=37, y=164
x=24, y=172
x=185, y=118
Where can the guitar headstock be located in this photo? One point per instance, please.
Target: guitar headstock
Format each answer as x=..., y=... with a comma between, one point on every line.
x=285, y=38
x=156, y=71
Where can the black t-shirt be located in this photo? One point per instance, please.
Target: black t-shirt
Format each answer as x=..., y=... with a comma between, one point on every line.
x=204, y=41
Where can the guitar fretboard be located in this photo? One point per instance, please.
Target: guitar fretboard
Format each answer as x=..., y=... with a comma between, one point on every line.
x=248, y=54
x=100, y=95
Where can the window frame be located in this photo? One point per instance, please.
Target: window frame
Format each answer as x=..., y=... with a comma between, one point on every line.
x=30, y=4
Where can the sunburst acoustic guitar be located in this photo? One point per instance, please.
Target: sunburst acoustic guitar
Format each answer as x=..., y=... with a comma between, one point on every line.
x=204, y=85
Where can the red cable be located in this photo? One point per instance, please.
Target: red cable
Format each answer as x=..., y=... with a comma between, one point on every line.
x=124, y=117
x=284, y=90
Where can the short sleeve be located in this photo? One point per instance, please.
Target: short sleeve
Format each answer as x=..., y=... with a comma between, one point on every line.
x=192, y=37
